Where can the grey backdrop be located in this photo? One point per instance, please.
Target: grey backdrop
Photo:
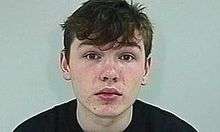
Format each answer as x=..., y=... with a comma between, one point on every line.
x=185, y=71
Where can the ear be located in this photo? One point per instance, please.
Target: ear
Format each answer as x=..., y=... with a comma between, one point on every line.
x=147, y=70
x=65, y=66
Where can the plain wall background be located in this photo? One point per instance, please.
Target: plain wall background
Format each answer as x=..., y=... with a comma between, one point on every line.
x=185, y=71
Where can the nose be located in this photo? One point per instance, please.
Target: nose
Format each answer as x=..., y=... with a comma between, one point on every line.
x=109, y=74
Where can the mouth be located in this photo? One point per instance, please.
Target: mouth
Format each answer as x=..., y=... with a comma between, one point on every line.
x=108, y=94
x=109, y=91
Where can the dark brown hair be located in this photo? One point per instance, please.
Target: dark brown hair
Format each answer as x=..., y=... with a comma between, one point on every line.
x=104, y=21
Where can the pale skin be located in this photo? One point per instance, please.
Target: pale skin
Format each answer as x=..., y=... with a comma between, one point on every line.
x=91, y=70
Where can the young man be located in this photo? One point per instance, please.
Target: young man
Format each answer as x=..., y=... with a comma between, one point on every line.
x=106, y=56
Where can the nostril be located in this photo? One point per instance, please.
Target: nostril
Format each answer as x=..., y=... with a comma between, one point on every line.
x=115, y=79
x=105, y=78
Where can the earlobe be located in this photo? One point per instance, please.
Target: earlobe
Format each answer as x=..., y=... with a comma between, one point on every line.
x=147, y=69
x=64, y=66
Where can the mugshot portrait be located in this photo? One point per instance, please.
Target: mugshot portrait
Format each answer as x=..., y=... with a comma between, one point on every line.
x=109, y=65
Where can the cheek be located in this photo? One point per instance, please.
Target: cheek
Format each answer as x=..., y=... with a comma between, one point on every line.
x=87, y=74
x=81, y=80
x=81, y=72
x=133, y=74
x=133, y=77
x=133, y=83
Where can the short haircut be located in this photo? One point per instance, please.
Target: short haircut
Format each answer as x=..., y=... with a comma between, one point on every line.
x=104, y=21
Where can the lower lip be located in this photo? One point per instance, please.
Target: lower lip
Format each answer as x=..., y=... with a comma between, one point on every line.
x=108, y=97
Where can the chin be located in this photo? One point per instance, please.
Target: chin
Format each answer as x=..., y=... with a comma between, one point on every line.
x=108, y=114
x=108, y=111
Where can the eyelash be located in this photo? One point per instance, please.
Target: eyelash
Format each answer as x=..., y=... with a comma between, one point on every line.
x=97, y=56
x=131, y=57
x=94, y=55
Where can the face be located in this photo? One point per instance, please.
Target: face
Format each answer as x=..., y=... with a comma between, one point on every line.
x=106, y=82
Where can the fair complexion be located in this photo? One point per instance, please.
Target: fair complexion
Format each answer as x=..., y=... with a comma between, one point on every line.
x=105, y=83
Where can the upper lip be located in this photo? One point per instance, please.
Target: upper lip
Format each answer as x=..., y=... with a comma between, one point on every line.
x=109, y=91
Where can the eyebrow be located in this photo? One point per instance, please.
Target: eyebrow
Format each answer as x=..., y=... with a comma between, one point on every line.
x=85, y=43
x=131, y=44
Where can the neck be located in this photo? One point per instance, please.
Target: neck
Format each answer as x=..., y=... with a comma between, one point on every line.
x=94, y=123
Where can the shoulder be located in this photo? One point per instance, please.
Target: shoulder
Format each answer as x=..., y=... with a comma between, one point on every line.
x=47, y=120
x=159, y=119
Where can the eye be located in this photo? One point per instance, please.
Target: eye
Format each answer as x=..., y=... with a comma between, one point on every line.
x=92, y=56
x=127, y=57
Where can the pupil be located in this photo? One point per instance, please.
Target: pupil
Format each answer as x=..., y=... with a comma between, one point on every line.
x=127, y=57
x=92, y=56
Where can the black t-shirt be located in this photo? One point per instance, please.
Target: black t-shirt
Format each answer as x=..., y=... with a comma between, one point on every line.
x=146, y=118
